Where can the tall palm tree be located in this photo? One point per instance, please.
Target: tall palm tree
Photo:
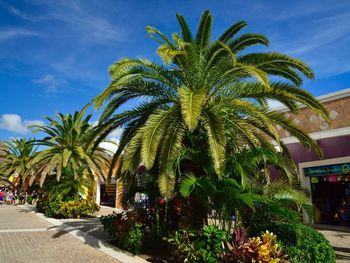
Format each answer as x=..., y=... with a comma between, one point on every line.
x=203, y=86
x=15, y=155
x=69, y=145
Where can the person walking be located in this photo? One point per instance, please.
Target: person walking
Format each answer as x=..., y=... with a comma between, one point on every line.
x=1, y=196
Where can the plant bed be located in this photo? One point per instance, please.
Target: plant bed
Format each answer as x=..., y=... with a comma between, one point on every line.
x=54, y=206
x=207, y=244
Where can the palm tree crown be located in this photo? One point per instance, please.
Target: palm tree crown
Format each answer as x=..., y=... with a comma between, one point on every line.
x=69, y=145
x=213, y=86
x=15, y=155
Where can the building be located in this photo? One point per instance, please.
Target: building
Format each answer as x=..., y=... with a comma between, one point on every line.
x=109, y=193
x=327, y=178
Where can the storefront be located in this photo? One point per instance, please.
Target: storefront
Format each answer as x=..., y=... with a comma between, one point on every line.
x=330, y=193
x=109, y=194
x=326, y=178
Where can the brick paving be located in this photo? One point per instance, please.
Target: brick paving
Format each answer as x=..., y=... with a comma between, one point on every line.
x=24, y=237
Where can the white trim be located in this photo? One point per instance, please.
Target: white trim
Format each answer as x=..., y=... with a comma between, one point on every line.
x=323, y=98
x=305, y=182
x=98, y=192
x=320, y=135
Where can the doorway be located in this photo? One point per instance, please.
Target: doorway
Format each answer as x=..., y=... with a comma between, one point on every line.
x=331, y=199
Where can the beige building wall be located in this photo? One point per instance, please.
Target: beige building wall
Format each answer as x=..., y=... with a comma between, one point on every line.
x=339, y=115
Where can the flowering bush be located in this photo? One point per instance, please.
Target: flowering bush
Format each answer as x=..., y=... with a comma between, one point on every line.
x=256, y=249
x=302, y=243
x=53, y=206
x=126, y=228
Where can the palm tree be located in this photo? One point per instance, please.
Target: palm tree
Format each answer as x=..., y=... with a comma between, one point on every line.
x=246, y=189
x=69, y=145
x=70, y=186
x=15, y=155
x=213, y=88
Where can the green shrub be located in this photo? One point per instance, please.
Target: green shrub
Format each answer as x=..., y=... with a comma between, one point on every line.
x=53, y=206
x=126, y=228
x=131, y=240
x=197, y=246
x=109, y=223
x=302, y=243
x=29, y=199
x=50, y=205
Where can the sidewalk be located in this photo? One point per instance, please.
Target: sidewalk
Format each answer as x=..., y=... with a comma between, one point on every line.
x=26, y=236
x=340, y=240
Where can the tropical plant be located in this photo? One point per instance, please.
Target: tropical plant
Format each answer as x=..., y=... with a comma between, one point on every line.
x=54, y=206
x=264, y=248
x=69, y=187
x=198, y=246
x=213, y=88
x=15, y=155
x=69, y=149
x=246, y=191
x=302, y=243
x=131, y=240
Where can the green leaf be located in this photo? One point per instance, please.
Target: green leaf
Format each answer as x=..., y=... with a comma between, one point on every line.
x=204, y=29
x=152, y=136
x=214, y=126
x=166, y=183
x=192, y=102
x=232, y=30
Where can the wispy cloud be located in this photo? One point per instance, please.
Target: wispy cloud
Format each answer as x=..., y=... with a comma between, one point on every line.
x=50, y=83
x=10, y=33
x=14, y=123
x=88, y=25
x=15, y=11
x=321, y=32
x=319, y=40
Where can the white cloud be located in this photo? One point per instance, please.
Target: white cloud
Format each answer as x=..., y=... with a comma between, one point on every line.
x=10, y=33
x=273, y=104
x=114, y=136
x=110, y=146
x=14, y=123
x=94, y=123
x=116, y=133
x=50, y=82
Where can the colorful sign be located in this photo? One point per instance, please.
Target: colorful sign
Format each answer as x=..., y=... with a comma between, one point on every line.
x=334, y=169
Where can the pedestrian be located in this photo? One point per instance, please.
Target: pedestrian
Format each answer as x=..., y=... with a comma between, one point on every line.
x=21, y=198
x=34, y=197
x=8, y=197
x=1, y=196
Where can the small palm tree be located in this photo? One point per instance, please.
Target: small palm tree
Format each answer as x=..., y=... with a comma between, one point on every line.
x=70, y=186
x=15, y=155
x=69, y=144
x=213, y=87
x=246, y=188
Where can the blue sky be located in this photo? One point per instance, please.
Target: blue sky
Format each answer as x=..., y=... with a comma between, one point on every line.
x=54, y=55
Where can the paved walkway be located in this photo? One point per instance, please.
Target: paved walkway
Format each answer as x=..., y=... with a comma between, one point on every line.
x=25, y=237
x=340, y=240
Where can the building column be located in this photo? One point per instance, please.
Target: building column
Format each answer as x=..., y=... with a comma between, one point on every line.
x=98, y=192
x=118, y=194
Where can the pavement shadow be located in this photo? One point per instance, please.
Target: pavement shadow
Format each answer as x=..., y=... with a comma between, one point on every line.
x=88, y=230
